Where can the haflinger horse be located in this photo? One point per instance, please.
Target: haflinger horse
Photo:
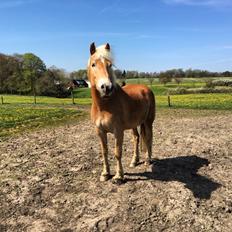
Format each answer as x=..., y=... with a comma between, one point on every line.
x=115, y=109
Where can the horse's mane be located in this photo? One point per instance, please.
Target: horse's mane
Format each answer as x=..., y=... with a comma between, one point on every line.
x=102, y=52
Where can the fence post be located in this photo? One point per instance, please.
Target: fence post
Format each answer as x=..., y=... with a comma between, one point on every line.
x=2, y=100
x=73, y=100
x=34, y=98
x=169, y=101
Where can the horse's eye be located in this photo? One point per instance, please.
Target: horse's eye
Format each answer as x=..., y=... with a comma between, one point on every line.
x=93, y=65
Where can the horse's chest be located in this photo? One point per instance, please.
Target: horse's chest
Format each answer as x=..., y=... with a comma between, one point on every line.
x=104, y=122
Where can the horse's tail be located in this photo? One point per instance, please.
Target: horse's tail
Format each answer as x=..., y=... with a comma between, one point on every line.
x=152, y=108
x=149, y=120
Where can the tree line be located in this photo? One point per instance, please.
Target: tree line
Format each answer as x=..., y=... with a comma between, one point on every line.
x=27, y=74
x=164, y=76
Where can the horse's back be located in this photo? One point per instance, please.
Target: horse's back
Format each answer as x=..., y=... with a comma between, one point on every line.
x=139, y=92
x=136, y=89
x=143, y=97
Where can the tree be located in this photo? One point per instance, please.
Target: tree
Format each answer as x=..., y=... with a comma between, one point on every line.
x=151, y=78
x=3, y=72
x=178, y=75
x=118, y=73
x=53, y=83
x=164, y=78
x=10, y=73
x=80, y=74
x=33, y=69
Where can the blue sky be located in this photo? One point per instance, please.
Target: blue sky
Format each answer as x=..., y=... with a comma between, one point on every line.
x=146, y=35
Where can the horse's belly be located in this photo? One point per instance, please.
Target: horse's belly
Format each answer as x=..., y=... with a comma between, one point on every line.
x=132, y=125
x=132, y=120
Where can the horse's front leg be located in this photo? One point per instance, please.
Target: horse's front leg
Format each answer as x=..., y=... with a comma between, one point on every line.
x=118, y=155
x=105, y=175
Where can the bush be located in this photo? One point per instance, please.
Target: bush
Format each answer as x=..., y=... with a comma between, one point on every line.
x=200, y=90
x=52, y=85
x=179, y=90
x=222, y=83
x=209, y=83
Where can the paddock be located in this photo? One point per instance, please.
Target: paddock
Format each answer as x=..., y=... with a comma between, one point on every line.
x=50, y=178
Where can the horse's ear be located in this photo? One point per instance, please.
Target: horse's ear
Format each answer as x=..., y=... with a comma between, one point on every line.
x=107, y=46
x=92, y=48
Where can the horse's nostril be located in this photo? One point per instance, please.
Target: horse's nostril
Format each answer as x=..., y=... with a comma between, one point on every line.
x=102, y=86
x=109, y=89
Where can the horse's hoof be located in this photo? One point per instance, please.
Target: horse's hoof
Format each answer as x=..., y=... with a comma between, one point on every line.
x=104, y=178
x=118, y=181
x=148, y=162
x=133, y=164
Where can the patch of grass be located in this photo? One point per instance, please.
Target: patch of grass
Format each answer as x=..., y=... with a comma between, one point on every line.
x=20, y=114
x=17, y=99
x=82, y=93
x=198, y=101
x=189, y=113
x=19, y=118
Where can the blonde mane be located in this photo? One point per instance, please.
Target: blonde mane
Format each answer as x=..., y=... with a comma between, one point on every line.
x=101, y=51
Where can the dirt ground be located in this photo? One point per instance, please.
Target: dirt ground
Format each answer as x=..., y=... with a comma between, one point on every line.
x=49, y=179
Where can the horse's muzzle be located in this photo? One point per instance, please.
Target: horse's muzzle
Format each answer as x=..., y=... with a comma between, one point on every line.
x=107, y=90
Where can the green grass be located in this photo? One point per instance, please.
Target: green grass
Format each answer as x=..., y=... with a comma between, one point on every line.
x=198, y=101
x=18, y=118
x=16, y=99
x=82, y=93
x=20, y=114
x=159, y=89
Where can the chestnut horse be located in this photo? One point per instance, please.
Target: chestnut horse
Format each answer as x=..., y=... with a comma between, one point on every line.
x=115, y=109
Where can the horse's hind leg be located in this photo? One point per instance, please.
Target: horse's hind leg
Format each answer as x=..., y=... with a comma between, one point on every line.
x=135, y=158
x=148, y=141
x=105, y=175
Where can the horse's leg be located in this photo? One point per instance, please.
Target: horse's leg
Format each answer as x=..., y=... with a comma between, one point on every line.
x=118, y=155
x=105, y=175
x=135, y=158
x=148, y=142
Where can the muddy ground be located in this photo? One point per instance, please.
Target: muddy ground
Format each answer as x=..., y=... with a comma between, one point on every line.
x=49, y=179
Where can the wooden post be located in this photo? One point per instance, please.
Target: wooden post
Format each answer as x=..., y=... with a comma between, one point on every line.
x=34, y=99
x=169, y=101
x=34, y=93
x=2, y=100
x=73, y=100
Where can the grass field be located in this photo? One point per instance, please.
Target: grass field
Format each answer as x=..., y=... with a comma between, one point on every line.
x=16, y=99
x=18, y=113
x=198, y=101
x=158, y=88
x=16, y=118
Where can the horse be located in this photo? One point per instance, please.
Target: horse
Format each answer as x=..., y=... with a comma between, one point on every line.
x=116, y=109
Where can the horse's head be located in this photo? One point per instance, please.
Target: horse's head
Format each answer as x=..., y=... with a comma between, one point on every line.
x=100, y=72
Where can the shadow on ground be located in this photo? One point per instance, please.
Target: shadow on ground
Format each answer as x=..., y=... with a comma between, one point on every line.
x=183, y=169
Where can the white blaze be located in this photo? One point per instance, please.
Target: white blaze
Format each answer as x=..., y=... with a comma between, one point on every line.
x=103, y=81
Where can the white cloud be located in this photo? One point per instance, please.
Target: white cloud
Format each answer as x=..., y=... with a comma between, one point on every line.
x=200, y=2
x=14, y=3
x=227, y=47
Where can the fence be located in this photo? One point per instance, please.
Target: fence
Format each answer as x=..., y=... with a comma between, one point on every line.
x=17, y=99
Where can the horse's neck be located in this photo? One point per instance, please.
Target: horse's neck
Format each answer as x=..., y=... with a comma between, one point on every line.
x=98, y=103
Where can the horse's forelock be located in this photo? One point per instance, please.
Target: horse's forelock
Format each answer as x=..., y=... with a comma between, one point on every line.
x=101, y=51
